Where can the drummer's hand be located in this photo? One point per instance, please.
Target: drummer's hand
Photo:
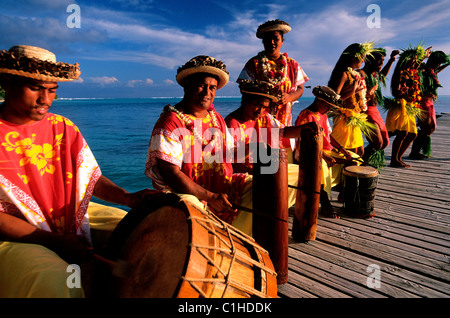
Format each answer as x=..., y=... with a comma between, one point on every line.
x=220, y=204
x=328, y=159
x=74, y=249
x=142, y=198
x=346, y=153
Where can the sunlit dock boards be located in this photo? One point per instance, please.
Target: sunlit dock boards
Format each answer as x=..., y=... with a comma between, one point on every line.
x=408, y=240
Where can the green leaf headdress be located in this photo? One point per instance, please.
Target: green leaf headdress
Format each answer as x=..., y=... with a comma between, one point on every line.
x=418, y=53
x=364, y=49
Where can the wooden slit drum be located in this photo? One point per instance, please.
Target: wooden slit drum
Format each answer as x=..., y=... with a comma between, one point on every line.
x=304, y=225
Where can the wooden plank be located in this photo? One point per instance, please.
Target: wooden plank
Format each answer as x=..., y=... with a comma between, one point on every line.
x=409, y=237
x=391, y=275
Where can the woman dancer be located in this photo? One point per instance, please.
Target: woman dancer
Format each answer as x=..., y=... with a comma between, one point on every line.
x=349, y=121
x=403, y=109
x=375, y=75
x=428, y=72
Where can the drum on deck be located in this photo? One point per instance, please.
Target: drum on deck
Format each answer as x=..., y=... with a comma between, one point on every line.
x=360, y=183
x=179, y=250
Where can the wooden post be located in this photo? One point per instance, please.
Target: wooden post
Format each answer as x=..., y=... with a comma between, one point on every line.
x=304, y=225
x=270, y=196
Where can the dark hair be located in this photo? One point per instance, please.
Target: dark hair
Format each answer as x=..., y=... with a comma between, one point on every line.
x=343, y=63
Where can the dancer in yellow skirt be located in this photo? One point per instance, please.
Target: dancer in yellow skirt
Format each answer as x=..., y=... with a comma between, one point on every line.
x=333, y=152
x=349, y=122
x=404, y=108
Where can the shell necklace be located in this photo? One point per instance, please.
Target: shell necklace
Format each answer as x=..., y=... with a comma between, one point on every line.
x=272, y=75
x=190, y=125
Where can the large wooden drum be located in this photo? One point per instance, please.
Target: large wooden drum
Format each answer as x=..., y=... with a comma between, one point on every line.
x=181, y=251
x=360, y=183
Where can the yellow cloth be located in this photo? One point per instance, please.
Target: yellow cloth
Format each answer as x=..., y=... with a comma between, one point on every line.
x=397, y=118
x=244, y=220
x=348, y=136
x=331, y=177
x=31, y=270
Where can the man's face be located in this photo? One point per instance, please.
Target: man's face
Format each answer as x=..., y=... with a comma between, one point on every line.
x=28, y=100
x=272, y=42
x=201, y=91
x=254, y=107
x=379, y=63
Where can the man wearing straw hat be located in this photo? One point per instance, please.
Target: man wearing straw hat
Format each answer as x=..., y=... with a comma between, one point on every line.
x=326, y=99
x=47, y=177
x=189, y=151
x=253, y=115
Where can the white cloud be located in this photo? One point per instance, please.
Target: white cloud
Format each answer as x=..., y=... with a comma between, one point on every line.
x=134, y=83
x=104, y=80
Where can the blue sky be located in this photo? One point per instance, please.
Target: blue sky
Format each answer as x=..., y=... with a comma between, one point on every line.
x=132, y=48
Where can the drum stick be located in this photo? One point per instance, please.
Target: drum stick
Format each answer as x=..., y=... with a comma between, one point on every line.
x=298, y=188
x=118, y=268
x=243, y=208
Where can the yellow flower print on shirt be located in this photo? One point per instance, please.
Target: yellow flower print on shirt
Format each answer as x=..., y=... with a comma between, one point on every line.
x=41, y=156
x=55, y=119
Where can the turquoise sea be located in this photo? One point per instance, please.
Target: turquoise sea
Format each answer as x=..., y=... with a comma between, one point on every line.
x=118, y=130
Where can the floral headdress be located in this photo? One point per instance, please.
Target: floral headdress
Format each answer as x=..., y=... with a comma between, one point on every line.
x=418, y=53
x=203, y=64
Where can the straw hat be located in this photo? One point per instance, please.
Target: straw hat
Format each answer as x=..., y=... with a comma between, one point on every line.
x=260, y=88
x=272, y=25
x=327, y=95
x=36, y=63
x=203, y=64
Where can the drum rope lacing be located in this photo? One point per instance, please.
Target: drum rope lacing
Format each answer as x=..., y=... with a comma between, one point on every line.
x=231, y=248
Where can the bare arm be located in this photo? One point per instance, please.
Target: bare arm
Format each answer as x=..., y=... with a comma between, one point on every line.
x=72, y=248
x=292, y=96
x=386, y=69
x=181, y=183
x=108, y=191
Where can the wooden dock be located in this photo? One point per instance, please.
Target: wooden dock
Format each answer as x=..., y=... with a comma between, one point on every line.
x=408, y=239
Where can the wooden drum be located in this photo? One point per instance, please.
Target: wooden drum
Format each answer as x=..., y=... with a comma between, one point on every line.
x=181, y=251
x=360, y=183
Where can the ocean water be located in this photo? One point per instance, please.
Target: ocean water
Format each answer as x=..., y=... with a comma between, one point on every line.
x=118, y=130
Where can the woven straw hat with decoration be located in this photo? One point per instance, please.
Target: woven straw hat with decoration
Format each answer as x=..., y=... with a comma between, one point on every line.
x=272, y=25
x=328, y=95
x=203, y=64
x=260, y=88
x=36, y=63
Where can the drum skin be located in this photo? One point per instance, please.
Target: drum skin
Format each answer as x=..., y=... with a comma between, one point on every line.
x=360, y=183
x=181, y=251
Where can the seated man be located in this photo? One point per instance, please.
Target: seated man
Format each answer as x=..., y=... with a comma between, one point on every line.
x=189, y=151
x=317, y=112
x=253, y=115
x=48, y=175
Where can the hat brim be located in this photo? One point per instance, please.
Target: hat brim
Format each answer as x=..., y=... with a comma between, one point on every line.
x=328, y=102
x=39, y=77
x=272, y=98
x=277, y=27
x=182, y=77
